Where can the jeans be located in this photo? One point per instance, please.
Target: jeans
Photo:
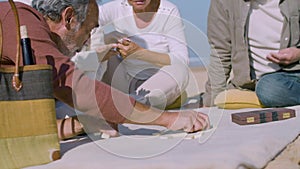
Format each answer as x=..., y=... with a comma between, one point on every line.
x=279, y=89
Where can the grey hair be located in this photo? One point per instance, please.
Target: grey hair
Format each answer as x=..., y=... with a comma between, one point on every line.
x=52, y=9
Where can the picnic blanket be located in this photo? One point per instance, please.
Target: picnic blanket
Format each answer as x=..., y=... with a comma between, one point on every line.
x=227, y=145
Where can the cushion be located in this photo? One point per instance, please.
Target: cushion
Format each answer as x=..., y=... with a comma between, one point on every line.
x=237, y=99
x=178, y=102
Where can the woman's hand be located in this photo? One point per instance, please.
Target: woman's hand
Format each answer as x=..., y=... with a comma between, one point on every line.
x=126, y=47
x=131, y=50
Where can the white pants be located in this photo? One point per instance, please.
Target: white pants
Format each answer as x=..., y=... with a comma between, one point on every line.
x=160, y=90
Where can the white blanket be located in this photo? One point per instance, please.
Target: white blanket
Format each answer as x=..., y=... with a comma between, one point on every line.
x=229, y=146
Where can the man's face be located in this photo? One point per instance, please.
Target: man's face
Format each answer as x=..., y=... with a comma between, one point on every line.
x=78, y=35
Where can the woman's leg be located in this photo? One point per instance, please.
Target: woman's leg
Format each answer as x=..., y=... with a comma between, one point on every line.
x=279, y=89
x=164, y=87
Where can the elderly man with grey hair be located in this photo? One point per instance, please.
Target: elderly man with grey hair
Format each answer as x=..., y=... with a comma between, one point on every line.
x=60, y=28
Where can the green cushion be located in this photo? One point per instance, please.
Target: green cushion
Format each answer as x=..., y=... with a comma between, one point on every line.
x=178, y=102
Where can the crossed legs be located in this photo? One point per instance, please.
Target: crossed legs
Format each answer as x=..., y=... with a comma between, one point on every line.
x=279, y=89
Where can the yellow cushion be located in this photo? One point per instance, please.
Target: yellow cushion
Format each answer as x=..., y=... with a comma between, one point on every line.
x=237, y=99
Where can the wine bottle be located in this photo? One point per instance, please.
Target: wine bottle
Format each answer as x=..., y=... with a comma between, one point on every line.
x=26, y=47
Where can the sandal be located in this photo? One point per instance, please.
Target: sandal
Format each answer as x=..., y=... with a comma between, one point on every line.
x=194, y=102
x=69, y=128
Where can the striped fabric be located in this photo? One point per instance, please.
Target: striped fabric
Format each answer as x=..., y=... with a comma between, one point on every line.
x=28, y=131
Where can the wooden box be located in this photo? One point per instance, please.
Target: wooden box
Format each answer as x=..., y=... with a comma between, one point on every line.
x=262, y=116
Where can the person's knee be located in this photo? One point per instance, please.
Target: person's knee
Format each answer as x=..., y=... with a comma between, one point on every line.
x=277, y=90
x=266, y=92
x=179, y=73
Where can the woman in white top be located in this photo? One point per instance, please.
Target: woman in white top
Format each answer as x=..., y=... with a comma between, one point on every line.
x=153, y=57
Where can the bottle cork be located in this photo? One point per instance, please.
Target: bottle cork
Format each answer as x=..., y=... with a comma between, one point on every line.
x=23, y=31
x=26, y=47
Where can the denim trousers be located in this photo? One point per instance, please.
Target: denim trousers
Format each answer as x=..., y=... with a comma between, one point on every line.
x=279, y=89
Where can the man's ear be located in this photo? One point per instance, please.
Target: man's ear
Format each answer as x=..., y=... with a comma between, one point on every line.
x=68, y=16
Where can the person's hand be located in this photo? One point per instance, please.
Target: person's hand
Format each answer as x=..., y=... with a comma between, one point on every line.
x=126, y=47
x=104, y=52
x=285, y=56
x=113, y=37
x=189, y=121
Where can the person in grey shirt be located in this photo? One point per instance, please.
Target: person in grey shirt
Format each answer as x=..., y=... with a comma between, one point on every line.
x=258, y=42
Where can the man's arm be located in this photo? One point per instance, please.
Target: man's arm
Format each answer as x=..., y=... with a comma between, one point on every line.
x=188, y=120
x=220, y=57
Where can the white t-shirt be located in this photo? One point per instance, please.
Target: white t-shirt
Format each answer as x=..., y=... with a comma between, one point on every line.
x=165, y=33
x=264, y=32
